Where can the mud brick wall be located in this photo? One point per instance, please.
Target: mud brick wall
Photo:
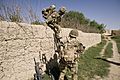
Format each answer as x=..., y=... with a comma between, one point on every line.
x=87, y=39
x=21, y=42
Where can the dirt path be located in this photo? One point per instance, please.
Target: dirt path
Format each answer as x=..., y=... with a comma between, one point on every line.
x=103, y=50
x=114, y=73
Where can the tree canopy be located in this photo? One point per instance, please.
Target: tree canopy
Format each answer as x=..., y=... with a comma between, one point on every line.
x=77, y=20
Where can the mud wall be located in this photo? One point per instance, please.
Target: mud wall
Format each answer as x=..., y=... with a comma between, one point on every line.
x=21, y=42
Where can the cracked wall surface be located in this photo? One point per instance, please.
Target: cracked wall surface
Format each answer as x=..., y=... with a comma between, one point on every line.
x=21, y=42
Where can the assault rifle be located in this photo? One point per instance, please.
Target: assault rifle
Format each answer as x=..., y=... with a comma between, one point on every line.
x=37, y=75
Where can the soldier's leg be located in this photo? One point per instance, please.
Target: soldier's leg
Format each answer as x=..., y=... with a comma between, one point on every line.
x=49, y=19
x=57, y=30
x=49, y=22
x=74, y=71
x=62, y=74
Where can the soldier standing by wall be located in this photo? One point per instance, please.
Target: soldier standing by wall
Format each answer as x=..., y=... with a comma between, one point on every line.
x=71, y=50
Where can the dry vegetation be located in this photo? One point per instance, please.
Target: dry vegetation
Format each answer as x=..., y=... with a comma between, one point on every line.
x=17, y=13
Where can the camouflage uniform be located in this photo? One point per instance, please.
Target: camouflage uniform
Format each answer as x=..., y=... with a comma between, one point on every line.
x=53, y=18
x=70, y=54
x=48, y=11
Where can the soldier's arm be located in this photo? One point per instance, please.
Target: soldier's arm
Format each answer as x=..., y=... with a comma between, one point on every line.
x=64, y=41
x=81, y=48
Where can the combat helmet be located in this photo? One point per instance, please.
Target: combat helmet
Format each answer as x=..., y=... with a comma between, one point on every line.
x=73, y=33
x=52, y=7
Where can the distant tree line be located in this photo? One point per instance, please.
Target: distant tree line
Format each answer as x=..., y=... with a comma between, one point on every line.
x=77, y=20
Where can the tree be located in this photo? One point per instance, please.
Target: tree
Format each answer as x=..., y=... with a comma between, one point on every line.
x=93, y=24
x=77, y=20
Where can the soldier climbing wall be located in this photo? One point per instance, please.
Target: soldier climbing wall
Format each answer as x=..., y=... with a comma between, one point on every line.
x=69, y=50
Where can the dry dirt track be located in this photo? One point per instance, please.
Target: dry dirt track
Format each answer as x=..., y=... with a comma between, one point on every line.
x=114, y=73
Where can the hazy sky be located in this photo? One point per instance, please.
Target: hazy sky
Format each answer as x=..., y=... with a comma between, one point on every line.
x=103, y=11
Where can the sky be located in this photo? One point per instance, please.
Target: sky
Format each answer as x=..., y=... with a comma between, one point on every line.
x=102, y=11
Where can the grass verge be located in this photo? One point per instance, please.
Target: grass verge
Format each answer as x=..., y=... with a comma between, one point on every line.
x=108, y=51
x=88, y=66
x=117, y=39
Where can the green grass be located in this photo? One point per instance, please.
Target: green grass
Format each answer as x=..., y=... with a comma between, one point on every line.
x=117, y=39
x=89, y=66
x=46, y=77
x=118, y=45
x=108, y=51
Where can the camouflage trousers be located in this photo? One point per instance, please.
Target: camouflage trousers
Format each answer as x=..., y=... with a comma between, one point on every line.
x=56, y=28
x=73, y=70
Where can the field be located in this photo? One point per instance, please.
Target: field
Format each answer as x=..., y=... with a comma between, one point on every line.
x=89, y=66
